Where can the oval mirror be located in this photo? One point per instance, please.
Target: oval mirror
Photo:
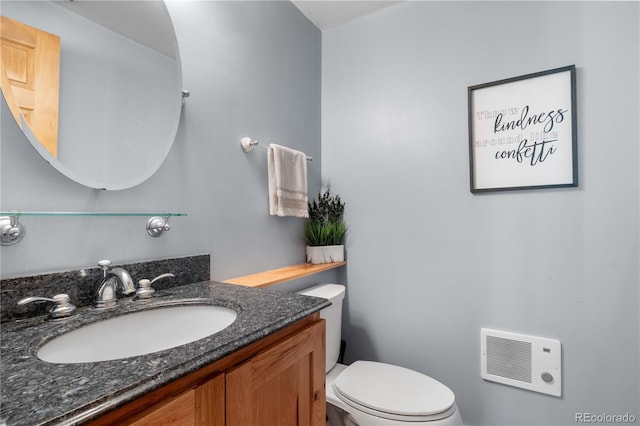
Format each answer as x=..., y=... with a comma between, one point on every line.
x=120, y=86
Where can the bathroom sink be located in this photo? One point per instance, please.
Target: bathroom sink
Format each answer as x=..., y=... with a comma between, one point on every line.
x=137, y=333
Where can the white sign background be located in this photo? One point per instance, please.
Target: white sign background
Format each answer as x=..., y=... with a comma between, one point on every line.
x=521, y=132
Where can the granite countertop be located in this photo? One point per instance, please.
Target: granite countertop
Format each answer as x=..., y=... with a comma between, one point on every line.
x=35, y=392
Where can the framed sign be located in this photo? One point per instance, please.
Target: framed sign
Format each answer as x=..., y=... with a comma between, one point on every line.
x=522, y=132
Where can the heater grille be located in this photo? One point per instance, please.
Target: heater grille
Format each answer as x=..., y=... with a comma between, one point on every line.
x=524, y=361
x=509, y=358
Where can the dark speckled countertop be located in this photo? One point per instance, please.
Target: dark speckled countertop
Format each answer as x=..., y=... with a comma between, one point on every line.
x=34, y=392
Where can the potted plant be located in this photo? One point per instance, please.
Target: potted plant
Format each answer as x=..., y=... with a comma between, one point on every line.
x=325, y=229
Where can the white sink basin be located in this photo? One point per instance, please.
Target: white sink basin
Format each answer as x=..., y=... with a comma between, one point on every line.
x=137, y=333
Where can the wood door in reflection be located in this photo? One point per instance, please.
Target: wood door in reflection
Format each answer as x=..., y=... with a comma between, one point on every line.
x=30, y=78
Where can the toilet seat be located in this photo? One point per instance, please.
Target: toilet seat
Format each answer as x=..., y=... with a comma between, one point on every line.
x=393, y=392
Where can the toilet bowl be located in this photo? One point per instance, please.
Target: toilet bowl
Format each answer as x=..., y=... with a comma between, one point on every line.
x=368, y=393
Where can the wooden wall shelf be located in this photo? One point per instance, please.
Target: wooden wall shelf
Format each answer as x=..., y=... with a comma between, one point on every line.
x=281, y=275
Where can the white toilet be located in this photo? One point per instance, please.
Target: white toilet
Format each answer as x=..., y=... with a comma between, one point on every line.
x=369, y=393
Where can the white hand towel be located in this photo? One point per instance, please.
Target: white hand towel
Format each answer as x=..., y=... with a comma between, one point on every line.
x=287, y=182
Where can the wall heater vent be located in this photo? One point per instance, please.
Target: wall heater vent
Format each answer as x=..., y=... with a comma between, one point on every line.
x=527, y=362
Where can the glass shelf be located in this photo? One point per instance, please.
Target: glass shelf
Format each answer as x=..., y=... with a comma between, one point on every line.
x=12, y=230
x=21, y=213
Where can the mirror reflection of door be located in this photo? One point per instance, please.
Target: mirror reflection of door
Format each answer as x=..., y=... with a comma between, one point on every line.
x=30, y=78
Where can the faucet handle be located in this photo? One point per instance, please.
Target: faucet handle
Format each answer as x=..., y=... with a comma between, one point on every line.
x=104, y=265
x=62, y=309
x=145, y=290
x=159, y=277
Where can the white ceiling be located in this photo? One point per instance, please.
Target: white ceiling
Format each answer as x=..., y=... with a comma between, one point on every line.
x=148, y=22
x=330, y=13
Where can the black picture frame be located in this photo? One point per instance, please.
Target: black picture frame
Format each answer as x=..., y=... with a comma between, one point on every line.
x=523, y=132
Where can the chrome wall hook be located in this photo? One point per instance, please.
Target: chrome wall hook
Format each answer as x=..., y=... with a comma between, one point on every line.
x=185, y=94
x=11, y=230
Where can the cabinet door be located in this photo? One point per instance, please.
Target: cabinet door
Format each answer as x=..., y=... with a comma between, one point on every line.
x=282, y=385
x=201, y=406
x=179, y=412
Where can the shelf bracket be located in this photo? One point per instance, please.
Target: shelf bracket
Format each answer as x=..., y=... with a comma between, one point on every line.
x=11, y=230
x=157, y=225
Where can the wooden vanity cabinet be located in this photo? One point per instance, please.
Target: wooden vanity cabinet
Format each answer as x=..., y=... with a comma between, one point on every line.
x=283, y=385
x=279, y=380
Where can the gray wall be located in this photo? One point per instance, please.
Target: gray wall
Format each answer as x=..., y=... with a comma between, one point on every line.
x=253, y=68
x=429, y=263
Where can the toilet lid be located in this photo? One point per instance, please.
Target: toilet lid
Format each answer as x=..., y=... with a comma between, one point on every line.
x=394, y=390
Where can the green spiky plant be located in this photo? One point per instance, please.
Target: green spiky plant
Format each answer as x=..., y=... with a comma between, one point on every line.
x=325, y=226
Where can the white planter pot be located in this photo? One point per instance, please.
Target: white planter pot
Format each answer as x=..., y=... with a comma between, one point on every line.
x=325, y=254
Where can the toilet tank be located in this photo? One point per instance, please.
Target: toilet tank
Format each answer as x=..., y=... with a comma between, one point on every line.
x=332, y=315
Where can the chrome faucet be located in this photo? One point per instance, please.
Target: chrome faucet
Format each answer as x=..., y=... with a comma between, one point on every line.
x=106, y=297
